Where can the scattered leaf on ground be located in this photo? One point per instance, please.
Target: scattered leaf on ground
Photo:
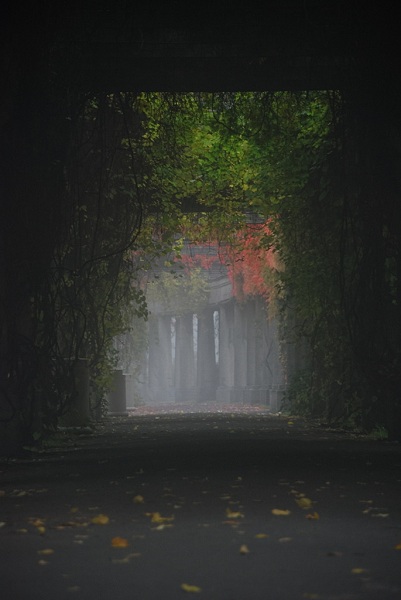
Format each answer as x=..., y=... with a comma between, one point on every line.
x=100, y=520
x=244, y=549
x=312, y=516
x=41, y=530
x=261, y=536
x=37, y=522
x=139, y=499
x=398, y=546
x=157, y=518
x=190, y=588
x=304, y=502
x=231, y=514
x=280, y=513
x=358, y=570
x=46, y=551
x=119, y=542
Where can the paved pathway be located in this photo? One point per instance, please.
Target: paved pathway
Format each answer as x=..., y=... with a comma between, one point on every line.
x=220, y=506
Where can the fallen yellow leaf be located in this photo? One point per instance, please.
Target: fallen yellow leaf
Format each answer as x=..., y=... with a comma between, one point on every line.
x=233, y=514
x=304, y=502
x=280, y=513
x=314, y=515
x=190, y=588
x=100, y=520
x=398, y=546
x=157, y=518
x=46, y=551
x=139, y=499
x=358, y=571
x=119, y=542
x=261, y=536
x=244, y=549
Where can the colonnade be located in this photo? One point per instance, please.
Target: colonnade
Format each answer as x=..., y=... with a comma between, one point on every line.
x=228, y=353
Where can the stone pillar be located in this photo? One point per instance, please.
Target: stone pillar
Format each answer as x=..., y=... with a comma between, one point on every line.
x=184, y=369
x=240, y=353
x=206, y=381
x=263, y=370
x=159, y=384
x=254, y=329
x=117, y=396
x=226, y=353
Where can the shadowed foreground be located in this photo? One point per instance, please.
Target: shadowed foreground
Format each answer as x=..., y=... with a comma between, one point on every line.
x=233, y=505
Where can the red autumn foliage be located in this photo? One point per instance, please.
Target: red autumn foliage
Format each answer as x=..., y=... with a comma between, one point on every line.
x=249, y=263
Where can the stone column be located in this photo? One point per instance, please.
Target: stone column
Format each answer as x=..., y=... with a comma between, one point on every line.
x=226, y=353
x=159, y=387
x=206, y=382
x=252, y=391
x=184, y=369
x=240, y=353
x=263, y=370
